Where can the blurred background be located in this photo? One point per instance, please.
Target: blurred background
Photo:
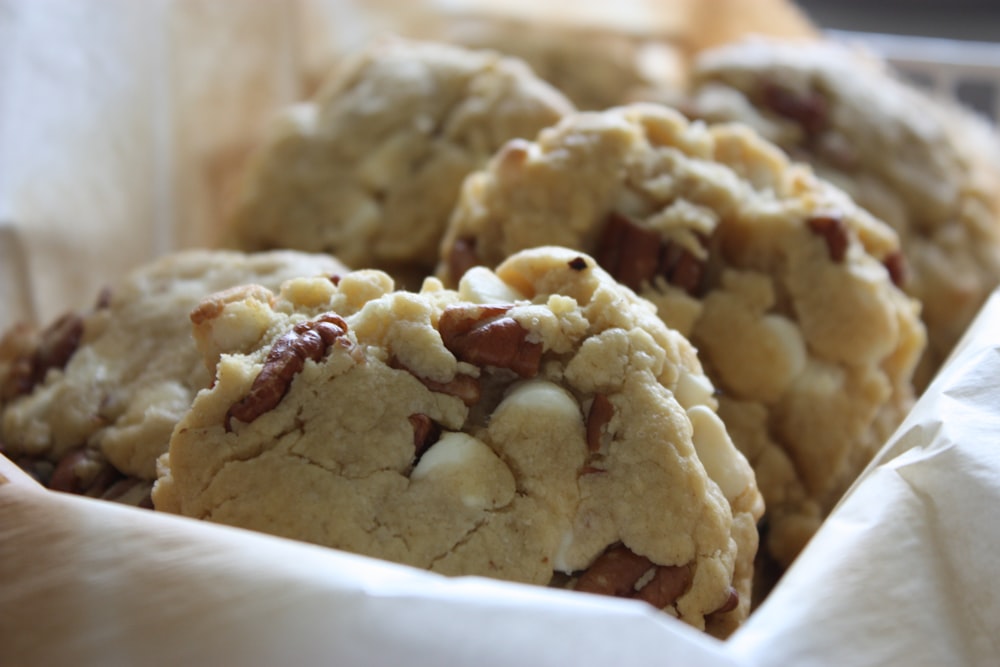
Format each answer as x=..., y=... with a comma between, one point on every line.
x=953, y=19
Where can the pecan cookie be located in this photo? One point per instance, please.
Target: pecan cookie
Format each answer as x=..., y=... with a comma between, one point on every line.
x=595, y=68
x=784, y=285
x=371, y=168
x=540, y=424
x=927, y=168
x=88, y=403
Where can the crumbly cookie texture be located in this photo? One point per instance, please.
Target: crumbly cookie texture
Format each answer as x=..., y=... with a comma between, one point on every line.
x=540, y=424
x=930, y=170
x=90, y=401
x=370, y=169
x=783, y=284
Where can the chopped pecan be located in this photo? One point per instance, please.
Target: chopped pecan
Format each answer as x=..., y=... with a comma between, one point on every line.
x=34, y=355
x=669, y=582
x=83, y=471
x=483, y=336
x=425, y=433
x=629, y=252
x=287, y=357
x=615, y=572
x=834, y=231
x=600, y=413
x=731, y=602
x=462, y=257
x=619, y=571
x=634, y=255
x=808, y=108
x=681, y=268
x=59, y=342
x=465, y=387
x=895, y=264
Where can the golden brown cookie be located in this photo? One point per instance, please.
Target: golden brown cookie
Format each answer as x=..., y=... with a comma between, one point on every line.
x=786, y=287
x=370, y=169
x=929, y=169
x=539, y=424
x=93, y=397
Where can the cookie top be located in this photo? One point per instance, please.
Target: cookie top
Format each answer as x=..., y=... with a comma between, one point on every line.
x=109, y=384
x=783, y=284
x=540, y=424
x=929, y=169
x=595, y=68
x=370, y=169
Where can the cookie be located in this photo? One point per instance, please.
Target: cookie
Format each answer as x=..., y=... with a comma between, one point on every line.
x=595, y=68
x=786, y=288
x=370, y=169
x=88, y=403
x=539, y=424
x=915, y=161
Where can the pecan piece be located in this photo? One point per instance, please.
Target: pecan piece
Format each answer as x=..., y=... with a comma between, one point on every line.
x=634, y=255
x=615, y=572
x=619, y=570
x=732, y=601
x=59, y=342
x=669, y=582
x=53, y=349
x=83, y=471
x=895, y=264
x=834, y=232
x=629, y=252
x=483, y=336
x=600, y=413
x=463, y=257
x=287, y=357
x=425, y=433
x=464, y=387
x=808, y=109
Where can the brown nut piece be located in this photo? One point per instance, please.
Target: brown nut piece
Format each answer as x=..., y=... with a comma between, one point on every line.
x=481, y=335
x=307, y=341
x=634, y=255
x=600, y=413
x=808, y=109
x=464, y=387
x=834, y=231
x=619, y=570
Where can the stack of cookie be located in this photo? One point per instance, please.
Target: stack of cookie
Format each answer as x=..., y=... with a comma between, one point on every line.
x=607, y=350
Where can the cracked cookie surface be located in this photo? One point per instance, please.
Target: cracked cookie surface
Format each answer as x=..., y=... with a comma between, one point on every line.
x=784, y=285
x=370, y=169
x=92, y=399
x=928, y=169
x=539, y=424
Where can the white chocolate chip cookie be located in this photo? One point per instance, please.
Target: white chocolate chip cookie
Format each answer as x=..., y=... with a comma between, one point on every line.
x=370, y=169
x=781, y=282
x=93, y=398
x=540, y=424
x=595, y=68
x=925, y=167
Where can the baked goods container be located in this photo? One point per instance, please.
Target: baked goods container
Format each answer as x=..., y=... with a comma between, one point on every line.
x=122, y=143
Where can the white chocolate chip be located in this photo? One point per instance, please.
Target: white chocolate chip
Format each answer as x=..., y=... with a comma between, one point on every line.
x=694, y=389
x=470, y=468
x=545, y=397
x=724, y=464
x=480, y=285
